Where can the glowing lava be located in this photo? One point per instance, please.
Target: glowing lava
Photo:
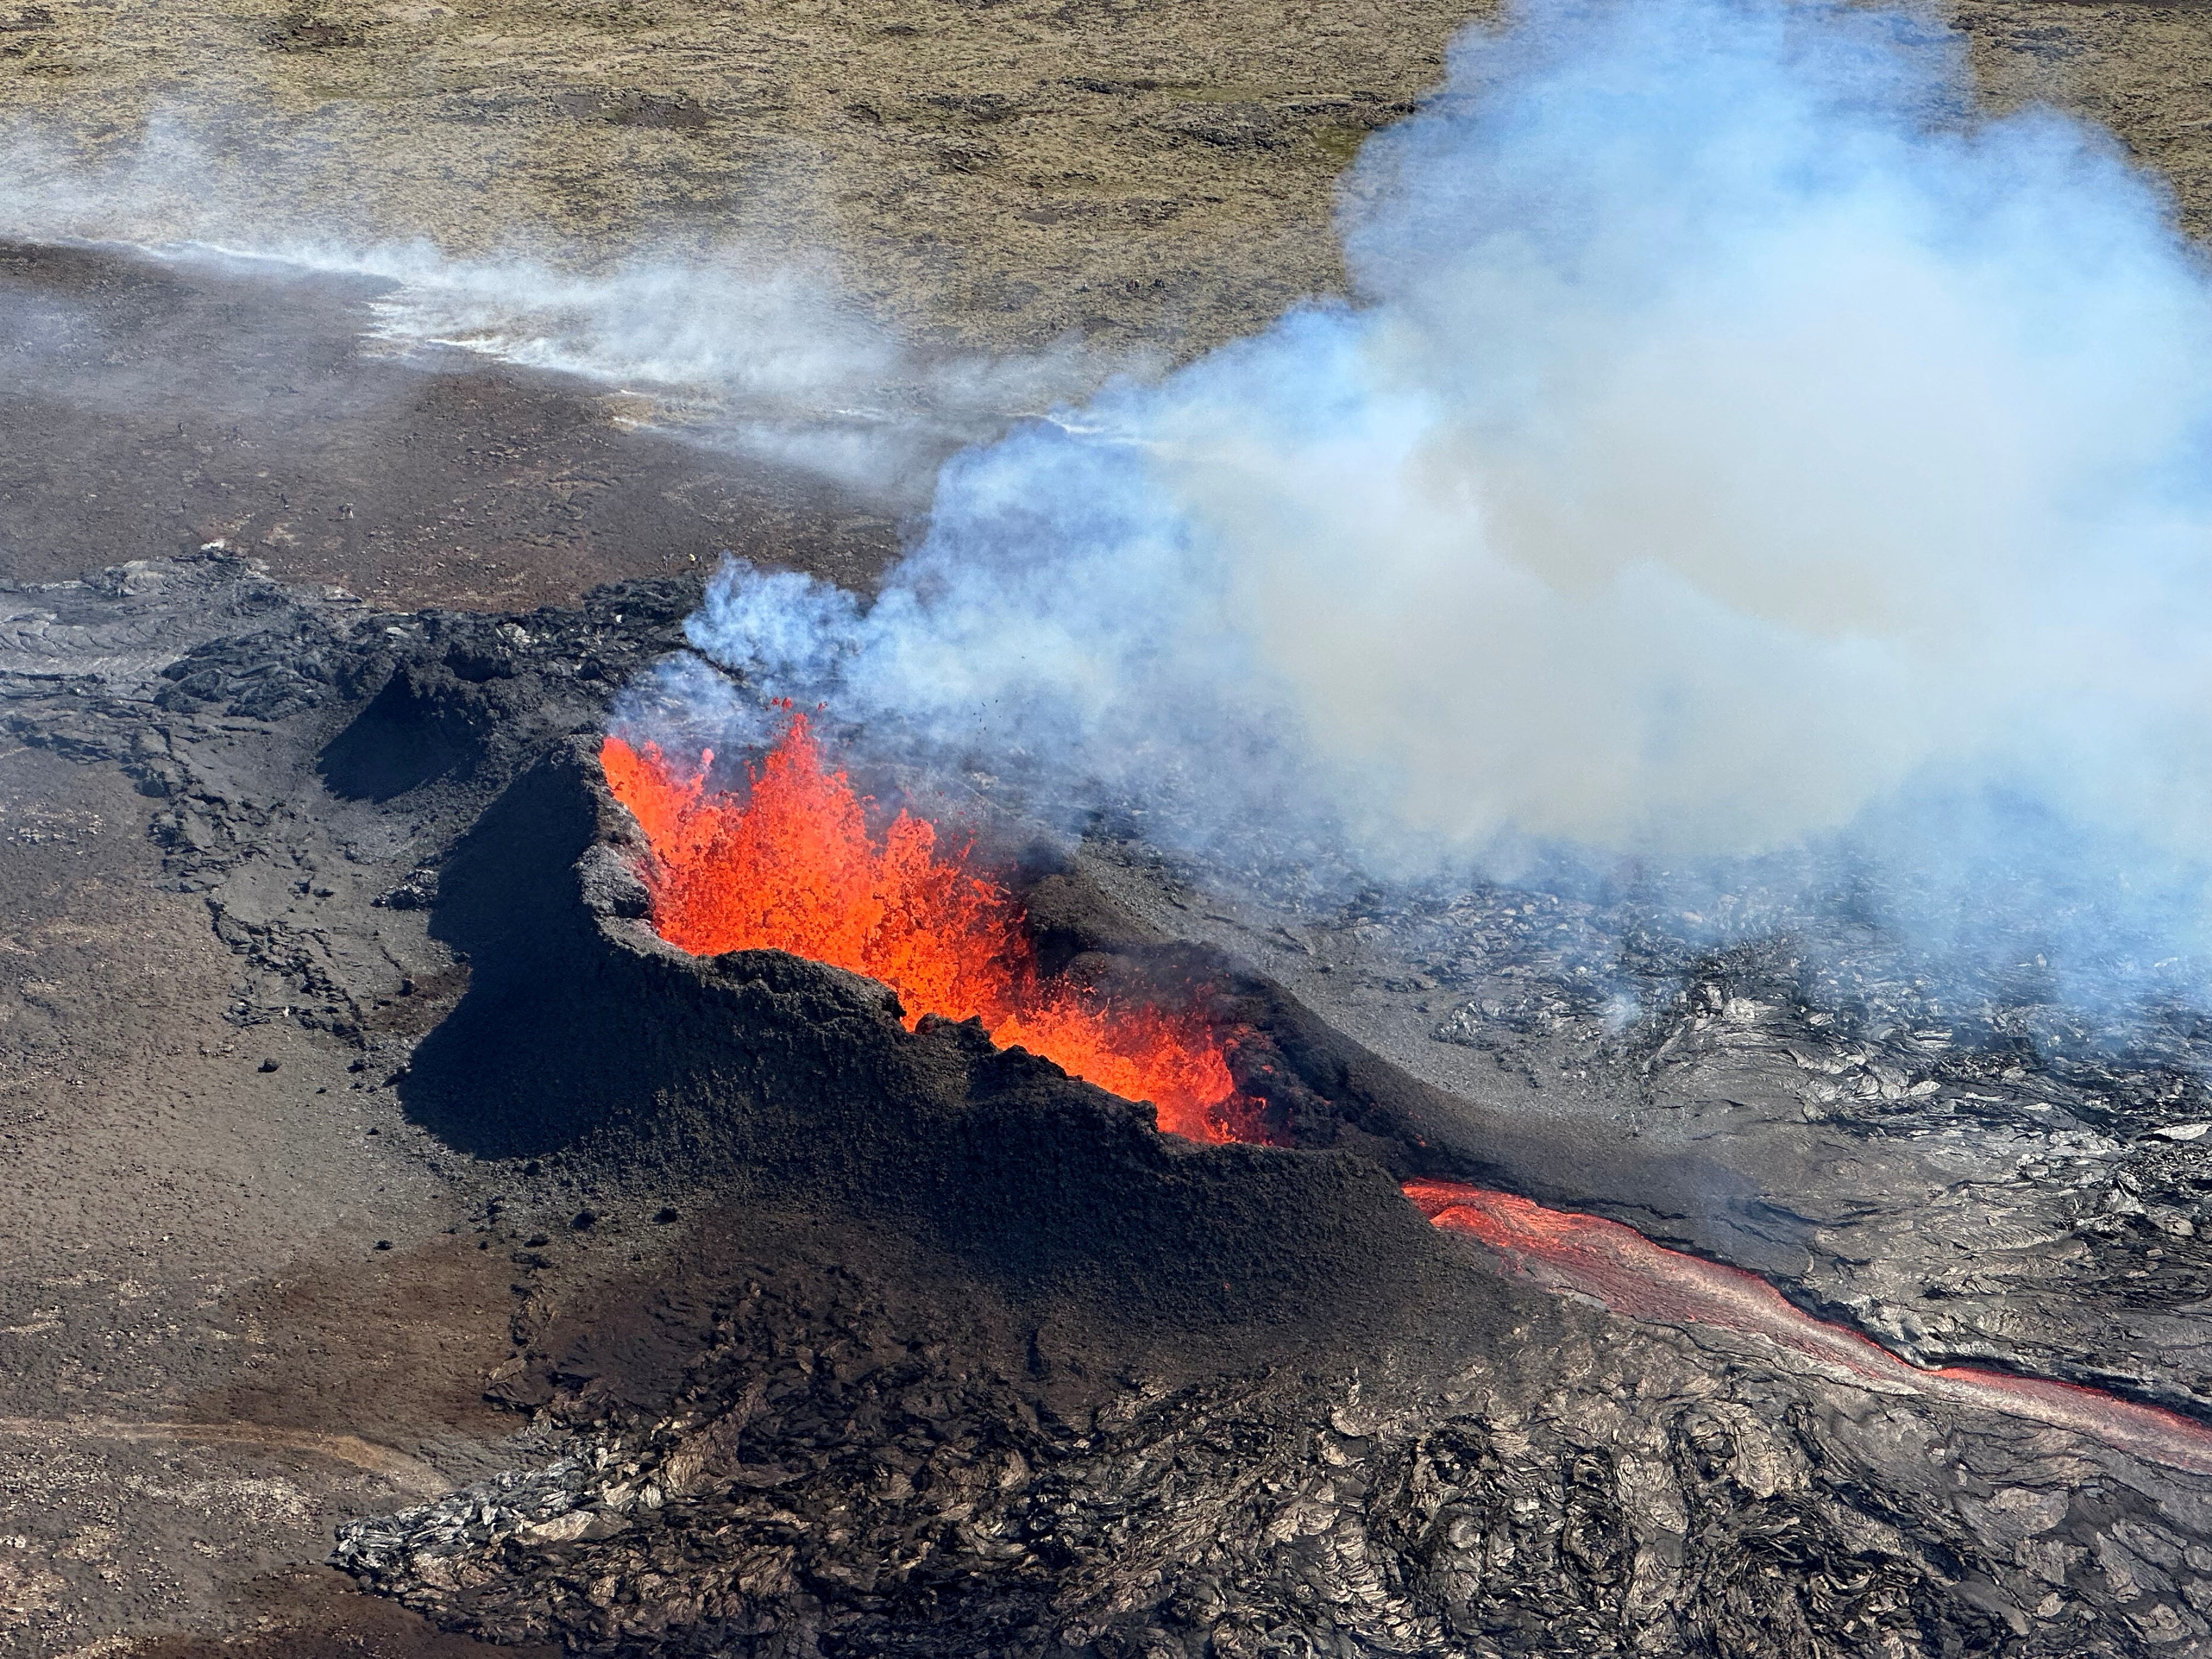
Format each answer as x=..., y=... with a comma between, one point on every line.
x=792, y=865
x=1619, y=1267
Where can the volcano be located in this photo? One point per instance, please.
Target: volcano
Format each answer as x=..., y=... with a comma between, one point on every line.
x=835, y=1321
x=486, y=1175
x=1295, y=1255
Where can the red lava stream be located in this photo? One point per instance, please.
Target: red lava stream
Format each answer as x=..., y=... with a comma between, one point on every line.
x=1616, y=1266
x=793, y=864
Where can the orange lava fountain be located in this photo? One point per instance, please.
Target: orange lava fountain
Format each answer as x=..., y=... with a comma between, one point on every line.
x=792, y=865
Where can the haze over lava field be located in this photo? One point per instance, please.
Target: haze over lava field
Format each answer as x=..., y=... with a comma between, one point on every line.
x=374, y=1176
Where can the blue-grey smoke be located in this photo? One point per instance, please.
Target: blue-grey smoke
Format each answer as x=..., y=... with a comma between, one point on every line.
x=1735, y=456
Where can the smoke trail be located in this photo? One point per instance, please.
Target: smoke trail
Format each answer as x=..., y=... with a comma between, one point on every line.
x=1732, y=453
x=742, y=351
x=737, y=347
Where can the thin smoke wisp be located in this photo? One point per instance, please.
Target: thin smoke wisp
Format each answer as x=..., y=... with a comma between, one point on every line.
x=735, y=346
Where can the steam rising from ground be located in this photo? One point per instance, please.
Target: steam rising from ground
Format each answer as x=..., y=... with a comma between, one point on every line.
x=737, y=346
x=763, y=354
x=1733, y=455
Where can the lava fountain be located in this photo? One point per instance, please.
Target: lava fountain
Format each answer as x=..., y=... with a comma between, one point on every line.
x=790, y=864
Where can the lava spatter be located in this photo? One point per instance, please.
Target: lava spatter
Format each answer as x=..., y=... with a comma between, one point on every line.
x=790, y=865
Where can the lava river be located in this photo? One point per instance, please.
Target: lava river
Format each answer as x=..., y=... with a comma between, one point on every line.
x=792, y=865
x=1616, y=1266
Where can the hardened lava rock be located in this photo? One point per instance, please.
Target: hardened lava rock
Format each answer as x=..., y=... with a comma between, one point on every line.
x=821, y=1480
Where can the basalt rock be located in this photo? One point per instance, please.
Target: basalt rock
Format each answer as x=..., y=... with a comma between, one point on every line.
x=780, y=1460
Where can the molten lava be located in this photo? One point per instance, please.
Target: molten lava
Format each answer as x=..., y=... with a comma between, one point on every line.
x=792, y=865
x=1616, y=1266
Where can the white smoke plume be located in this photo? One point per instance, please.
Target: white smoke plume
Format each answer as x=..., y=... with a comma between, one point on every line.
x=1734, y=454
x=742, y=351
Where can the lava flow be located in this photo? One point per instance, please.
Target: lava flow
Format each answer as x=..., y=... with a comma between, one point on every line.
x=790, y=865
x=1616, y=1266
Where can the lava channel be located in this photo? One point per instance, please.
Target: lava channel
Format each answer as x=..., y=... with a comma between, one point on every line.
x=1618, y=1267
x=790, y=865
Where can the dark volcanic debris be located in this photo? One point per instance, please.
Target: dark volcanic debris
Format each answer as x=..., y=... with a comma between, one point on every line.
x=943, y=1352
x=819, y=1480
x=257, y=714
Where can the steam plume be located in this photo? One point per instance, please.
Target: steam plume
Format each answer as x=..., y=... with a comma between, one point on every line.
x=1735, y=455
